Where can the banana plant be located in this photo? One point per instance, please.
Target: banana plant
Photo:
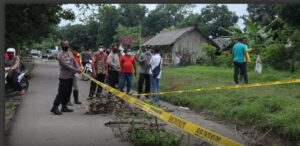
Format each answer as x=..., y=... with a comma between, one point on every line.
x=258, y=36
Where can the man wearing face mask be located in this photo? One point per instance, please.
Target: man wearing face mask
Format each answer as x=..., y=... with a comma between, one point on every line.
x=144, y=70
x=114, y=68
x=13, y=62
x=128, y=67
x=99, y=67
x=68, y=68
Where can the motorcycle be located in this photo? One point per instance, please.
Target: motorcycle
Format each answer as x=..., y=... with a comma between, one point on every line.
x=23, y=80
x=88, y=70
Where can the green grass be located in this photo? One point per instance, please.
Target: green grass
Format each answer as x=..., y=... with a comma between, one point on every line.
x=276, y=107
x=10, y=107
x=142, y=136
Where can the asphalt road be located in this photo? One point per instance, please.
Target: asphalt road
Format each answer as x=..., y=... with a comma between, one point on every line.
x=34, y=125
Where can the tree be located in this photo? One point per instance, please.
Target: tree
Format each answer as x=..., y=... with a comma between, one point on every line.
x=93, y=32
x=290, y=13
x=174, y=12
x=85, y=35
x=164, y=15
x=132, y=32
x=109, y=18
x=263, y=13
x=26, y=24
x=288, y=36
x=75, y=34
x=132, y=14
x=258, y=36
x=213, y=17
x=190, y=20
x=154, y=23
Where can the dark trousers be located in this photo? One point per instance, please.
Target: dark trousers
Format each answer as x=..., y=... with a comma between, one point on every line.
x=84, y=63
x=13, y=81
x=113, y=78
x=240, y=69
x=94, y=87
x=144, y=78
x=64, y=92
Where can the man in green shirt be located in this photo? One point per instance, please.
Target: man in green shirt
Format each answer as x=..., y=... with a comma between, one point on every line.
x=239, y=51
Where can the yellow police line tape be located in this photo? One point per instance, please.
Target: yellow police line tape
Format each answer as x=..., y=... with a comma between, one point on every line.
x=224, y=87
x=184, y=125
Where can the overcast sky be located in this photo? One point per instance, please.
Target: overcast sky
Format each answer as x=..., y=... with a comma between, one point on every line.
x=239, y=9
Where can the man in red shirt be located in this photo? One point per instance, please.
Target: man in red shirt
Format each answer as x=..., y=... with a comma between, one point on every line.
x=128, y=67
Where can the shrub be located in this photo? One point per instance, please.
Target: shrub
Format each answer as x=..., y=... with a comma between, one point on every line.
x=210, y=53
x=152, y=137
x=276, y=56
x=225, y=60
x=10, y=106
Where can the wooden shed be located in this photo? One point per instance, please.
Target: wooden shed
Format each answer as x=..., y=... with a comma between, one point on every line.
x=186, y=42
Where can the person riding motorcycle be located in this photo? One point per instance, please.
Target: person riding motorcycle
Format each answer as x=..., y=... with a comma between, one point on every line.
x=6, y=56
x=13, y=63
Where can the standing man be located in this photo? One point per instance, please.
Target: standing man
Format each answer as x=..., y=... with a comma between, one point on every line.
x=144, y=70
x=239, y=50
x=76, y=56
x=155, y=73
x=114, y=67
x=107, y=51
x=128, y=67
x=68, y=68
x=86, y=56
x=99, y=67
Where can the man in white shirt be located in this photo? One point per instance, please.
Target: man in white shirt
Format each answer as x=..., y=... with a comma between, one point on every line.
x=155, y=71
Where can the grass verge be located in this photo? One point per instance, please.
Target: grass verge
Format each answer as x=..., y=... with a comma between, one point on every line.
x=275, y=107
x=152, y=137
x=10, y=107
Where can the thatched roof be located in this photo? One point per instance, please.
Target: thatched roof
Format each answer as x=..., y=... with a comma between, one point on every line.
x=170, y=37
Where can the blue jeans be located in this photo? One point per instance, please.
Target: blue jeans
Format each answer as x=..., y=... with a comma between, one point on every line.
x=154, y=87
x=126, y=78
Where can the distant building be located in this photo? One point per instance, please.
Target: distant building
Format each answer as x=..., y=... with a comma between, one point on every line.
x=223, y=43
x=186, y=42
